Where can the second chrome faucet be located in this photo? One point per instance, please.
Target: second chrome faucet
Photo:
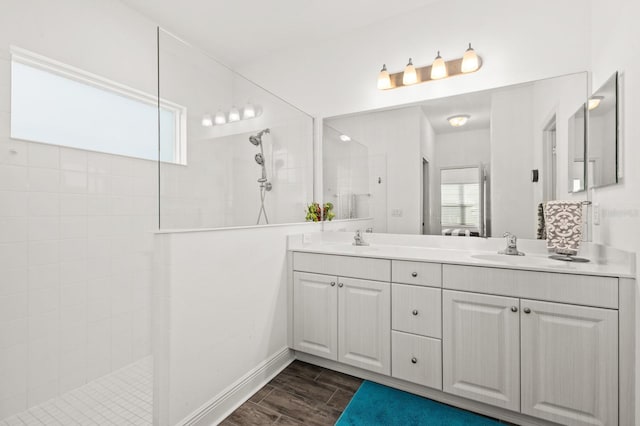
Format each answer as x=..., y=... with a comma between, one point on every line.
x=512, y=245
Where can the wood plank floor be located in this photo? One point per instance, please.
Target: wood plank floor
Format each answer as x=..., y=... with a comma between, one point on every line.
x=302, y=394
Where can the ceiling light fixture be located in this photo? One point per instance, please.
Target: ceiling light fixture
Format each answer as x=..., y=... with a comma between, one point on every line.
x=470, y=61
x=384, y=82
x=458, y=120
x=345, y=138
x=594, y=102
x=409, y=76
x=439, y=69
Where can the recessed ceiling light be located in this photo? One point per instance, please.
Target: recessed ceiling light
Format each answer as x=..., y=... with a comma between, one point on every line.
x=458, y=120
x=594, y=102
x=345, y=138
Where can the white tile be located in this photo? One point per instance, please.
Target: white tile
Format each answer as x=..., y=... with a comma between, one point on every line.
x=99, y=205
x=99, y=227
x=13, y=152
x=44, y=228
x=44, y=325
x=14, y=280
x=73, y=182
x=73, y=159
x=44, y=204
x=98, y=163
x=99, y=184
x=73, y=204
x=73, y=227
x=44, y=180
x=13, y=203
x=42, y=155
x=13, y=333
x=13, y=307
x=13, y=405
x=43, y=301
x=98, y=268
x=13, y=255
x=44, y=276
x=13, y=178
x=99, y=309
x=73, y=335
x=42, y=392
x=73, y=249
x=73, y=272
x=13, y=229
x=73, y=294
x=98, y=248
x=43, y=252
x=43, y=361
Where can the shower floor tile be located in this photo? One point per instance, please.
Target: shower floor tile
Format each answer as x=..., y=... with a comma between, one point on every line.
x=121, y=398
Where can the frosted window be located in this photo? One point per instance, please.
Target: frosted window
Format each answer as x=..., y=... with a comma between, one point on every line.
x=50, y=108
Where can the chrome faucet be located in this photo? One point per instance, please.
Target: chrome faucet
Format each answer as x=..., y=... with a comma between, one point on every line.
x=358, y=240
x=512, y=248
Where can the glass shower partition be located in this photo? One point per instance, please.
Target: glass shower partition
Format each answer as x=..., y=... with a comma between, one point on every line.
x=231, y=153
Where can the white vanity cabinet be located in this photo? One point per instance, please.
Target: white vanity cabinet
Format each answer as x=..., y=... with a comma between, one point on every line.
x=342, y=318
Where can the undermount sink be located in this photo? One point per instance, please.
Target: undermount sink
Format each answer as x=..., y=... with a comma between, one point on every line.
x=515, y=260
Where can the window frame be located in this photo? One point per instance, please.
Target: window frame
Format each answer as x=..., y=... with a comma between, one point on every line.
x=35, y=60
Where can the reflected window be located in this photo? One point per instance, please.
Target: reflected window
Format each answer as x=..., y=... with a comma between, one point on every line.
x=461, y=205
x=60, y=105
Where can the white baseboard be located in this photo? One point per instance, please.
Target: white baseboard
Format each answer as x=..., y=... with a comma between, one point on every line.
x=223, y=404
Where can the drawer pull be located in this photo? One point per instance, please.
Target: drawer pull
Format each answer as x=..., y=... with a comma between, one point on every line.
x=340, y=285
x=527, y=310
x=333, y=283
x=514, y=309
x=414, y=360
x=414, y=274
x=415, y=312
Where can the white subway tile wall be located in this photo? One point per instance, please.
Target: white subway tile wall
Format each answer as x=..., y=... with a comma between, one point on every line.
x=76, y=238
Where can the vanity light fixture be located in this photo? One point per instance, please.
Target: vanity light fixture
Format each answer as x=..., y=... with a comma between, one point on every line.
x=594, y=102
x=220, y=118
x=458, y=120
x=470, y=61
x=234, y=114
x=249, y=111
x=439, y=69
x=345, y=138
x=384, y=81
x=409, y=76
x=207, y=120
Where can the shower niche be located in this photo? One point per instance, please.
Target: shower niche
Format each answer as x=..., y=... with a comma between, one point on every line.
x=247, y=154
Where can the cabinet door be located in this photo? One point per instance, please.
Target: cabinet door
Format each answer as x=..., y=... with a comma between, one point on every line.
x=481, y=348
x=315, y=314
x=569, y=363
x=364, y=324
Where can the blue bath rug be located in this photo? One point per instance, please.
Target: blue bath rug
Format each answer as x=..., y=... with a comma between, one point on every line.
x=375, y=404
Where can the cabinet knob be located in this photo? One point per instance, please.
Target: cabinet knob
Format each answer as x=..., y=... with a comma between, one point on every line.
x=340, y=284
x=333, y=283
x=415, y=312
x=414, y=274
x=514, y=309
x=414, y=360
x=527, y=310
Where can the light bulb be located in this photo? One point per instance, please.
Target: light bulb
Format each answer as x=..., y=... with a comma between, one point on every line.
x=207, y=120
x=438, y=68
x=384, y=80
x=470, y=61
x=409, y=76
x=458, y=120
x=234, y=114
x=345, y=138
x=248, y=112
x=220, y=118
x=594, y=102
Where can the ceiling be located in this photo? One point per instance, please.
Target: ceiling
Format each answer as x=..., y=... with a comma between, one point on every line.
x=476, y=105
x=236, y=32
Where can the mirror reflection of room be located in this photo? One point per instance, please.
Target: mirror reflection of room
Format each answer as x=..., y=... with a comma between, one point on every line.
x=477, y=164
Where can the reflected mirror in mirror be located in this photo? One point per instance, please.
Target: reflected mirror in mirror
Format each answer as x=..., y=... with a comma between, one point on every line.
x=577, y=146
x=603, y=134
x=505, y=134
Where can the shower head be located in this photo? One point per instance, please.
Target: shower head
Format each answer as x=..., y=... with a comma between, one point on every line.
x=257, y=139
x=259, y=159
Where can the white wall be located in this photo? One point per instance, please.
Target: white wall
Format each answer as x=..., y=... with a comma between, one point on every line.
x=613, y=50
x=396, y=135
x=222, y=304
x=75, y=240
x=518, y=41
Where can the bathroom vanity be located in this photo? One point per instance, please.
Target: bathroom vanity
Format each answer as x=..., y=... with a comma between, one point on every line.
x=526, y=339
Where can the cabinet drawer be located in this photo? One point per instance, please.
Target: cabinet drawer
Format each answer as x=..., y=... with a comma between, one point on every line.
x=344, y=266
x=418, y=273
x=416, y=359
x=554, y=287
x=416, y=309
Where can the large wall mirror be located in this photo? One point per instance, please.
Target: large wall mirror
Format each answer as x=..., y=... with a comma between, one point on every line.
x=472, y=164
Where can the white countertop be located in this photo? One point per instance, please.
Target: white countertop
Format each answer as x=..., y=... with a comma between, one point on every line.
x=603, y=262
